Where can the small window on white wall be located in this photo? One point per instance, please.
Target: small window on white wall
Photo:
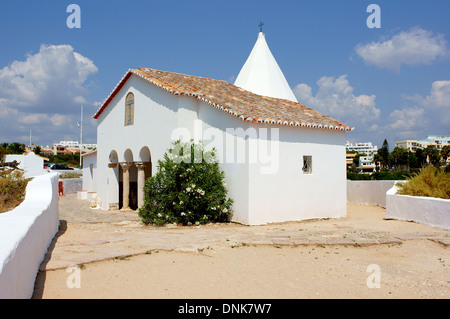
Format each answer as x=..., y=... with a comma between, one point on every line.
x=307, y=165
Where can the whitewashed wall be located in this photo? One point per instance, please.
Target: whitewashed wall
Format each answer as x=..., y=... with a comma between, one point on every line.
x=273, y=188
x=368, y=192
x=89, y=172
x=71, y=185
x=154, y=121
x=288, y=194
x=430, y=211
x=26, y=232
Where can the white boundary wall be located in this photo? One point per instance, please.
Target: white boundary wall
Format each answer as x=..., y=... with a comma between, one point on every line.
x=72, y=185
x=26, y=232
x=368, y=192
x=430, y=211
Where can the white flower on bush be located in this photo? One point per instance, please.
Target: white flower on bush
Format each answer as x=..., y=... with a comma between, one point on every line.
x=193, y=185
x=159, y=215
x=163, y=169
x=188, y=189
x=183, y=214
x=225, y=210
x=181, y=202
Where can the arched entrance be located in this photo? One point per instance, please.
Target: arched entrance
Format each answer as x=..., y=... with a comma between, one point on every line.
x=128, y=182
x=126, y=179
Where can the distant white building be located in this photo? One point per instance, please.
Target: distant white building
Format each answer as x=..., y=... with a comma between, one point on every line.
x=366, y=163
x=437, y=141
x=366, y=148
x=410, y=145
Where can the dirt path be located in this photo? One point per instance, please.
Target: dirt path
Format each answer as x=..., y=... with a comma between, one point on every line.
x=311, y=259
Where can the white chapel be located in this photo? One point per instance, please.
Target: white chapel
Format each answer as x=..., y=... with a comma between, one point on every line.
x=282, y=160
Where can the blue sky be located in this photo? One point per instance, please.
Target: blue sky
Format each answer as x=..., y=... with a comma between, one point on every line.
x=391, y=82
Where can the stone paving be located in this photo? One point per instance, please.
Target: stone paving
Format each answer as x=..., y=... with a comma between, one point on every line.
x=87, y=235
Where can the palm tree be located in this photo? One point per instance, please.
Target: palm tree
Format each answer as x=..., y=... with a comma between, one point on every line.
x=445, y=153
x=433, y=156
x=16, y=148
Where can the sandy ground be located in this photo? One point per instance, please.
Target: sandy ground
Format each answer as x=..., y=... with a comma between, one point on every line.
x=416, y=269
x=416, y=265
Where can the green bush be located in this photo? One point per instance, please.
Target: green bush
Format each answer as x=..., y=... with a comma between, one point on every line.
x=12, y=190
x=429, y=182
x=383, y=175
x=188, y=188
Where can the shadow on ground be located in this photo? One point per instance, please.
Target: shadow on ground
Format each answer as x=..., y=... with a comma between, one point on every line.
x=41, y=276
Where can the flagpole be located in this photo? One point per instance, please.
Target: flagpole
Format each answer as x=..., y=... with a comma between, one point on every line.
x=80, y=125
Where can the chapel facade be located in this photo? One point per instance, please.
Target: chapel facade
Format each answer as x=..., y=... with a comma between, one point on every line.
x=282, y=160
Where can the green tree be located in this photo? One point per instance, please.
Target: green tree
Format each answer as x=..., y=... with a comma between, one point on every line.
x=413, y=161
x=356, y=159
x=384, y=153
x=433, y=156
x=16, y=148
x=421, y=158
x=445, y=153
x=400, y=156
x=37, y=150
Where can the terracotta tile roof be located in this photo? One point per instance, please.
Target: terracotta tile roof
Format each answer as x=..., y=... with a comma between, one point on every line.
x=233, y=100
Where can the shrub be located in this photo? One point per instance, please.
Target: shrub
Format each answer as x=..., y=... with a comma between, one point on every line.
x=429, y=182
x=68, y=175
x=188, y=188
x=384, y=175
x=12, y=190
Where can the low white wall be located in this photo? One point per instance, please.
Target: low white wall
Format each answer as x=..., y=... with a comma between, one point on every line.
x=368, y=192
x=72, y=185
x=26, y=232
x=430, y=211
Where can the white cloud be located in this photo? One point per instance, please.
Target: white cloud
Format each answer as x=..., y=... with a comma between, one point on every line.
x=51, y=79
x=427, y=115
x=44, y=93
x=335, y=98
x=33, y=118
x=407, y=119
x=412, y=47
x=439, y=97
x=59, y=119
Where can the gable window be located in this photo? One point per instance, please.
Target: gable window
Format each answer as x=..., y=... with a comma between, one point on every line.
x=129, y=109
x=307, y=165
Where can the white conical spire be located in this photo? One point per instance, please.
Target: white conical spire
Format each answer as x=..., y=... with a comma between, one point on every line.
x=262, y=75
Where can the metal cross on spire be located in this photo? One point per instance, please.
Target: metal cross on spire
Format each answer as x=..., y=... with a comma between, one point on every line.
x=260, y=26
